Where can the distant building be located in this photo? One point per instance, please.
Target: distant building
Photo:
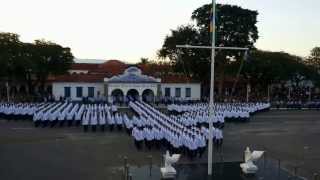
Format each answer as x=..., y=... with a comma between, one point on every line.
x=115, y=80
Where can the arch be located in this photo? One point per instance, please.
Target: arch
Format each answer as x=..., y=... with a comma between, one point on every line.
x=133, y=94
x=148, y=95
x=133, y=70
x=117, y=95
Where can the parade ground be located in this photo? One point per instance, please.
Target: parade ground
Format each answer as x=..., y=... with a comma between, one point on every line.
x=29, y=153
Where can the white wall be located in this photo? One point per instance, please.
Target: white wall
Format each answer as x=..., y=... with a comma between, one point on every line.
x=125, y=87
x=195, y=89
x=58, y=89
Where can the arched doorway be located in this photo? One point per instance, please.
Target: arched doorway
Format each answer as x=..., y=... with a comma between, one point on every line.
x=133, y=94
x=148, y=96
x=117, y=96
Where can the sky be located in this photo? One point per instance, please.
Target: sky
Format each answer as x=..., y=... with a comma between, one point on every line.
x=128, y=30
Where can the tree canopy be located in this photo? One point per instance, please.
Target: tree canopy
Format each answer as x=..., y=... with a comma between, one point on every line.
x=235, y=26
x=265, y=68
x=31, y=61
x=314, y=58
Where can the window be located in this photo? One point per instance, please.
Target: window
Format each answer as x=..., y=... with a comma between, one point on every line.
x=167, y=92
x=188, y=92
x=90, y=91
x=67, y=92
x=178, y=92
x=79, y=91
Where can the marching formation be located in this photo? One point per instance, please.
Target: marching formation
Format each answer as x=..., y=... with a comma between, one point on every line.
x=198, y=114
x=61, y=113
x=184, y=131
x=174, y=135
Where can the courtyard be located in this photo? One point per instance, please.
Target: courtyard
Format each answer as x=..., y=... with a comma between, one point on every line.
x=31, y=153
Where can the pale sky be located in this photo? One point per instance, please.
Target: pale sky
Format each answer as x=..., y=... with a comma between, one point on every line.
x=130, y=29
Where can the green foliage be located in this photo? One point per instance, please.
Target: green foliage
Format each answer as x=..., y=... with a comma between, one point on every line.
x=264, y=68
x=234, y=27
x=51, y=58
x=22, y=61
x=314, y=58
x=144, y=61
x=193, y=62
x=9, y=52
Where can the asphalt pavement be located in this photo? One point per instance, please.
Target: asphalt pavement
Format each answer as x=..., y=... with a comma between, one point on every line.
x=28, y=153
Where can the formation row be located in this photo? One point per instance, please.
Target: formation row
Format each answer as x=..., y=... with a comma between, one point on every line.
x=198, y=113
x=191, y=140
x=148, y=125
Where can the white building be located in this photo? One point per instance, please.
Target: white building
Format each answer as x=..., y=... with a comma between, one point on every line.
x=107, y=82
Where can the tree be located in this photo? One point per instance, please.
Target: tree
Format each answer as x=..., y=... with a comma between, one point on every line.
x=314, y=58
x=144, y=60
x=235, y=27
x=185, y=60
x=50, y=59
x=9, y=46
x=264, y=68
x=31, y=62
x=9, y=53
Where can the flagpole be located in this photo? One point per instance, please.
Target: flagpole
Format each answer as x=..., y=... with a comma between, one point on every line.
x=211, y=102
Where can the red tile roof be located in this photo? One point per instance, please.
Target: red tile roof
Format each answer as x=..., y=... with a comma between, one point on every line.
x=96, y=72
x=112, y=67
x=84, y=66
x=90, y=78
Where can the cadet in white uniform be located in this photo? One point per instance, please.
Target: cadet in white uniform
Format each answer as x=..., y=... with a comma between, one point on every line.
x=118, y=119
x=86, y=119
x=138, y=137
x=128, y=124
x=94, y=120
x=110, y=122
x=79, y=114
x=102, y=119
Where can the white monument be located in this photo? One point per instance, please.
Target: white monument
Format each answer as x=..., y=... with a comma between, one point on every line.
x=249, y=157
x=168, y=172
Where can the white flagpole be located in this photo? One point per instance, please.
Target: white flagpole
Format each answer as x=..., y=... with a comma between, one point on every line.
x=211, y=102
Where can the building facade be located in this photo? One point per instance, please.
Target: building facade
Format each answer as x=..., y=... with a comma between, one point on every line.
x=117, y=81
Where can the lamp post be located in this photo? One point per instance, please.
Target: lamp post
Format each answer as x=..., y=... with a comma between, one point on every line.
x=211, y=100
